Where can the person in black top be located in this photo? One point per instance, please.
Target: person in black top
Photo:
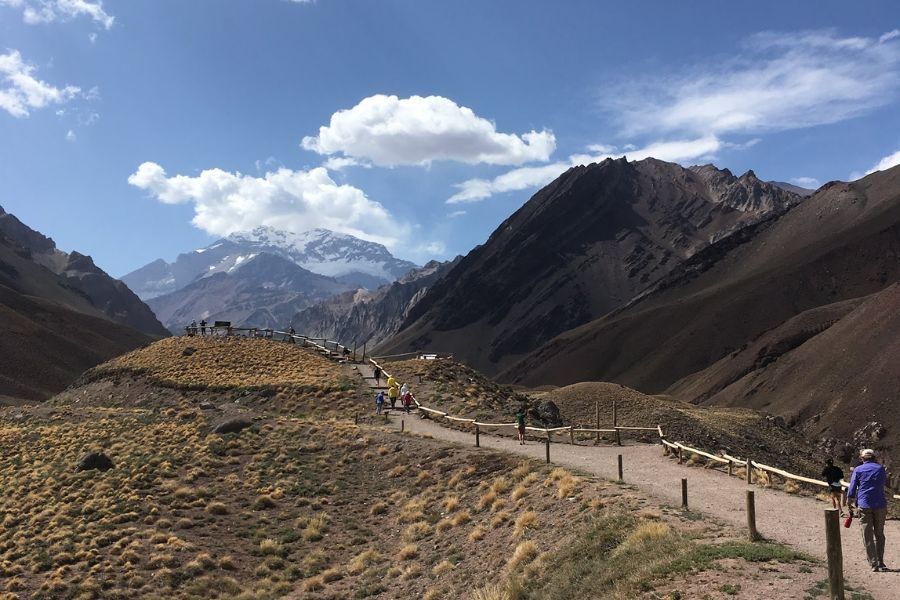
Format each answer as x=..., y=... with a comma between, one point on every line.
x=203, y=327
x=833, y=476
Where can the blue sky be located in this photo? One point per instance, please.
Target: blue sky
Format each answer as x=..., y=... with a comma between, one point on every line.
x=137, y=129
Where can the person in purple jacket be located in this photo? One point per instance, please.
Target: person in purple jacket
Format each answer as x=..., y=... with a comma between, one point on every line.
x=866, y=491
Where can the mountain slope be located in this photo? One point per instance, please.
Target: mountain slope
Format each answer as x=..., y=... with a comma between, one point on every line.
x=364, y=317
x=841, y=243
x=55, y=269
x=582, y=246
x=261, y=290
x=52, y=329
x=353, y=261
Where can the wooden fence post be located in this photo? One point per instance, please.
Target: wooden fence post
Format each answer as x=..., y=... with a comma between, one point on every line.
x=477, y=436
x=684, y=495
x=616, y=422
x=751, y=516
x=597, y=414
x=402, y=425
x=572, y=434
x=364, y=352
x=834, y=553
x=354, y=350
x=749, y=471
x=680, y=455
x=730, y=466
x=356, y=418
x=621, y=469
x=547, y=443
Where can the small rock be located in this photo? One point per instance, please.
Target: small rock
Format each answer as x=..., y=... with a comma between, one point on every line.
x=207, y=406
x=188, y=351
x=233, y=425
x=94, y=461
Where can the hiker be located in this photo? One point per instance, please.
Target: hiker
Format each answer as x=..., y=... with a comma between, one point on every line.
x=379, y=402
x=391, y=382
x=833, y=476
x=192, y=328
x=377, y=375
x=407, y=400
x=403, y=389
x=520, y=425
x=393, y=394
x=203, y=327
x=866, y=492
x=290, y=338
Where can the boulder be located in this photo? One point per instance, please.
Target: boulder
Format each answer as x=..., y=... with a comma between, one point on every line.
x=545, y=412
x=188, y=351
x=207, y=406
x=233, y=425
x=94, y=461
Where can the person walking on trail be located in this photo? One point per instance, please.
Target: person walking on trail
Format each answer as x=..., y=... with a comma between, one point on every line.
x=203, y=327
x=393, y=394
x=833, y=476
x=379, y=402
x=377, y=375
x=866, y=492
x=407, y=401
x=192, y=328
x=403, y=389
x=520, y=425
x=290, y=338
x=391, y=382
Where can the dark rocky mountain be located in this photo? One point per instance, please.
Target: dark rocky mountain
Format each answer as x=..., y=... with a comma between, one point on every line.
x=60, y=315
x=262, y=290
x=352, y=261
x=364, y=317
x=796, y=189
x=582, y=246
x=75, y=272
x=788, y=276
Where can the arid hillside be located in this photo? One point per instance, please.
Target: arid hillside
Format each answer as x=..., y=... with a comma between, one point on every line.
x=265, y=488
x=580, y=247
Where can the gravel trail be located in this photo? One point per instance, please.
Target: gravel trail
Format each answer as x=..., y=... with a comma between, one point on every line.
x=795, y=521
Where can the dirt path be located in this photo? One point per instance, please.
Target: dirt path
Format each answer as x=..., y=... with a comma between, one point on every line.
x=796, y=521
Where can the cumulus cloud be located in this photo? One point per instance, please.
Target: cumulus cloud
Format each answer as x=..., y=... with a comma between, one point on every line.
x=390, y=131
x=522, y=178
x=891, y=160
x=21, y=91
x=226, y=202
x=778, y=82
x=35, y=12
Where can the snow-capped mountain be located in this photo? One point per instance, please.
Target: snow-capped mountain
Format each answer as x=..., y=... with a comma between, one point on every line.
x=347, y=259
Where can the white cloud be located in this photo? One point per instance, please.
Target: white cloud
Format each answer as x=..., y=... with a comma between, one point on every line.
x=456, y=214
x=890, y=35
x=70, y=136
x=475, y=190
x=20, y=91
x=891, y=160
x=390, y=131
x=35, y=12
x=226, y=202
x=434, y=248
x=779, y=82
x=806, y=182
x=338, y=163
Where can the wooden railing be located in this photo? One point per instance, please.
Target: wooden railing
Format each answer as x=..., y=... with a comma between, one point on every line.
x=679, y=448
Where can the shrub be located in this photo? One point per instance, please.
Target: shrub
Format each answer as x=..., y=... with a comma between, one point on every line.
x=527, y=520
x=524, y=553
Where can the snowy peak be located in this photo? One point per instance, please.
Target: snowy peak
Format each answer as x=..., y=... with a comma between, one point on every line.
x=350, y=260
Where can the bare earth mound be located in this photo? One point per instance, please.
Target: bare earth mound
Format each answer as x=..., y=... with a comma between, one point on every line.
x=741, y=432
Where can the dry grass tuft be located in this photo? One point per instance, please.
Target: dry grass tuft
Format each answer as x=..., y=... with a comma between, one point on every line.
x=443, y=567
x=527, y=520
x=524, y=553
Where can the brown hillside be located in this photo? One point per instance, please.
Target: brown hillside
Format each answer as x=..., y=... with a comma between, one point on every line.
x=841, y=243
x=834, y=383
x=741, y=432
x=45, y=346
x=580, y=247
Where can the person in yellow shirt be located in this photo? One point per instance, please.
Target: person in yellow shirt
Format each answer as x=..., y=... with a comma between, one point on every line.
x=393, y=394
x=392, y=382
